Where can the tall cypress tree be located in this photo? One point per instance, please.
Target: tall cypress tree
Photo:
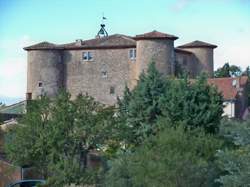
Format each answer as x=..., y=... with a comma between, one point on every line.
x=140, y=108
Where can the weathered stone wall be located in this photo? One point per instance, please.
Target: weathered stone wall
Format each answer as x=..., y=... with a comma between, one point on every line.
x=87, y=76
x=46, y=67
x=159, y=51
x=187, y=63
x=205, y=57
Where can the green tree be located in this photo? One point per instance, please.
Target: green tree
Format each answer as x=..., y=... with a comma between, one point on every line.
x=234, y=161
x=140, y=108
x=195, y=104
x=228, y=71
x=175, y=157
x=55, y=137
x=1, y=116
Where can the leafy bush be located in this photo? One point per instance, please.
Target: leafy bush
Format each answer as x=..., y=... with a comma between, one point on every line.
x=175, y=157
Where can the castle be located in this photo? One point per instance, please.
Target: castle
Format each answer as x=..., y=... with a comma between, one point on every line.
x=102, y=66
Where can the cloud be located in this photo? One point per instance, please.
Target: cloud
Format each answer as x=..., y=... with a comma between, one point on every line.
x=179, y=5
x=13, y=67
x=236, y=52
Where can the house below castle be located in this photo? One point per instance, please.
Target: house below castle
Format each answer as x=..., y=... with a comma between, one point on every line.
x=102, y=66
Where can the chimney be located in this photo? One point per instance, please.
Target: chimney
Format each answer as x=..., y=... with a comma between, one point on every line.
x=78, y=42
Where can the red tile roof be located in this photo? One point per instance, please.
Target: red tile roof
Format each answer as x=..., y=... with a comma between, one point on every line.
x=226, y=87
x=112, y=41
x=109, y=42
x=197, y=43
x=155, y=35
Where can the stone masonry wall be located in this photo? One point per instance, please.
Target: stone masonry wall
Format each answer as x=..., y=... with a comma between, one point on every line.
x=159, y=51
x=44, y=66
x=187, y=62
x=205, y=59
x=87, y=76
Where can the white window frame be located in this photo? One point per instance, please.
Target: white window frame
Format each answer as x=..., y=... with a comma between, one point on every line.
x=132, y=54
x=89, y=56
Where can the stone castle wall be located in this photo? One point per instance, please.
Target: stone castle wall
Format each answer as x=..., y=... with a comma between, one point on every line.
x=45, y=67
x=186, y=63
x=88, y=76
x=110, y=69
x=204, y=58
x=159, y=51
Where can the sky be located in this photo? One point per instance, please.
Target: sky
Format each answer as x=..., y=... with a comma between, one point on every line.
x=225, y=23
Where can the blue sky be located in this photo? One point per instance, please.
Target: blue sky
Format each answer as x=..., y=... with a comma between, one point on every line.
x=225, y=23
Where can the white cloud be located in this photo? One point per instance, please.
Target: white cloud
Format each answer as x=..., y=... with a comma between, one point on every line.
x=13, y=67
x=236, y=52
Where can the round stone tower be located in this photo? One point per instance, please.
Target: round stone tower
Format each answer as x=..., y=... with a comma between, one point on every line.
x=155, y=47
x=45, y=70
x=204, y=55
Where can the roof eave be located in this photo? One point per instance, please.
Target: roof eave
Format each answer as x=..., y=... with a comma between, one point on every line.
x=155, y=38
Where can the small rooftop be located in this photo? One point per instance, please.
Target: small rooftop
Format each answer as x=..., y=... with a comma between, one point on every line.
x=155, y=35
x=108, y=42
x=17, y=108
x=229, y=86
x=112, y=41
x=197, y=43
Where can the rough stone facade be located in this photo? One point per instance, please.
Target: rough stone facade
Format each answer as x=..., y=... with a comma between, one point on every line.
x=101, y=67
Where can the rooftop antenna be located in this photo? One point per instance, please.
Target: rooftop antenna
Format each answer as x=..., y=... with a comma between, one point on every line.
x=102, y=32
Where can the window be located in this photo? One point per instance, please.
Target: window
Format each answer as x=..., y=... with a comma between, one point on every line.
x=87, y=56
x=132, y=54
x=104, y=74
x=40, y=84
x=112, y=90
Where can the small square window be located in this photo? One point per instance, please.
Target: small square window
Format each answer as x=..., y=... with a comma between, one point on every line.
x=87, y=56
x=132, y=54
x=112, y=90
x=40, y=84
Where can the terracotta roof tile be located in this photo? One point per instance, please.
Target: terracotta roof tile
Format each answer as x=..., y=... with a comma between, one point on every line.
x=155, y=35
x=42, y=45
x=197, y=43
x=226, y=87
x=112, y=41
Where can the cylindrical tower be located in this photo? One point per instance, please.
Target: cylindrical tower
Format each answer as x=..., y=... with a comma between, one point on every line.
x=155, y=47
x=45, y=73
x=204, y=55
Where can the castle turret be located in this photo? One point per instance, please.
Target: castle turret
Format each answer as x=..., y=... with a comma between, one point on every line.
x=157, y=47
x=45, y=70
x=204, y=55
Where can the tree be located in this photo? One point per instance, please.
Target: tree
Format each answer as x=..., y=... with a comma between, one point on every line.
x=1, y=116
x=55, y=137
x=175, y=157
x=140, y=108
x=234, y=161
x=195, y=104
x=228, y=71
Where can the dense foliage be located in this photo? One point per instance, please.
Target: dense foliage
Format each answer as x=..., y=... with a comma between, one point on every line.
x=228, y=70
x=234, y=161
x=194, y=104
x=165, y=132
x=55, y=137
x=174, y=157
